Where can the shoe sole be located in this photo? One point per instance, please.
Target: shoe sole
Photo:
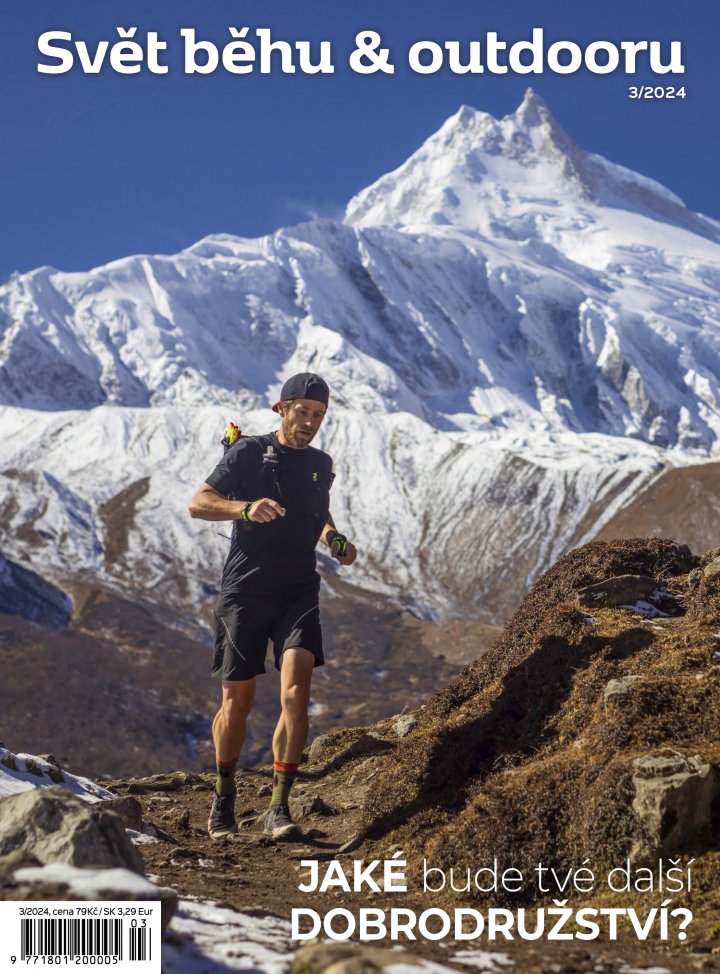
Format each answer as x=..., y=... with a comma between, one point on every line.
x=286, y=832
x=221, y=833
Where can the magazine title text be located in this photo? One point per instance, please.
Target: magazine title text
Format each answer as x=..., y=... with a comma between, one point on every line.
x=258, y=51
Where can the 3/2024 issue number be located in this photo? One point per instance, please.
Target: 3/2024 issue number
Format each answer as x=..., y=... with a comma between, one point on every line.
x=647, y=91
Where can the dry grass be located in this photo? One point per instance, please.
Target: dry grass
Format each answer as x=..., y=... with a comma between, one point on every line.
x=523, y=759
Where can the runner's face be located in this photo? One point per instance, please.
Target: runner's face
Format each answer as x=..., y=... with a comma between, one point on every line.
x=301, y=421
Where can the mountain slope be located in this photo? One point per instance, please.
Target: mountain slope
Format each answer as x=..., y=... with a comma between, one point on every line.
x=519, y=336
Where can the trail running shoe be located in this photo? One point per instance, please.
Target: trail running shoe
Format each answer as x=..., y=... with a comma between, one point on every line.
x=279, y=825
x=222, y=816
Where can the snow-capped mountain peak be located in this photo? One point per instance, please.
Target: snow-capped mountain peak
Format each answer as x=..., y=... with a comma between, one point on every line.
x=484, y=174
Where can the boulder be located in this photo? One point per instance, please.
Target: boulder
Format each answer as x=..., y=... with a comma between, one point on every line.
x=364, y=744
x=317, y=746
x=674, y=797
x=57, y=826
x=369, y=743
x=618, y=590
x=128, y=808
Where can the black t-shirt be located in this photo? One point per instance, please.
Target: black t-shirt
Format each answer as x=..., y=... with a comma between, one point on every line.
x=272, y=558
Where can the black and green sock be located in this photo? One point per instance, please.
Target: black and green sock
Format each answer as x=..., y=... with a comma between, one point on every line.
x=225, y=781
x=283, y=777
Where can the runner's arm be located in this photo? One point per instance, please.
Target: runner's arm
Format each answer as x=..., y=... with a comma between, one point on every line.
x=209, y=505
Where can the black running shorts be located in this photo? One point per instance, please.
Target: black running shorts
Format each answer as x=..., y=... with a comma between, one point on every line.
x=243, y=625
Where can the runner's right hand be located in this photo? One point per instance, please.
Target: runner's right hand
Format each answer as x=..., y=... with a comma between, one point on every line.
x=265, y=510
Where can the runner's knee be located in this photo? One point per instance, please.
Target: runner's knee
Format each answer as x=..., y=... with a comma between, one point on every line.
x=237, y=703
x=294, y=699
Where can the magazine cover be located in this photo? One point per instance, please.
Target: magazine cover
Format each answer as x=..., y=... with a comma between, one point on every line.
x=360, y=510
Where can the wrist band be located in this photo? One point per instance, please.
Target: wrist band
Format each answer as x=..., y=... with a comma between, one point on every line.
x=245, y=513
x=335, y=538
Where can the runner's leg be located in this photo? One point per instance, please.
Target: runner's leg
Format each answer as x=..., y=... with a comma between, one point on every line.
x=296, y=667
x=229, y=725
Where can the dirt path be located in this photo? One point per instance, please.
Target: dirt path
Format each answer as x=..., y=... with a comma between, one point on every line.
x=250, y=873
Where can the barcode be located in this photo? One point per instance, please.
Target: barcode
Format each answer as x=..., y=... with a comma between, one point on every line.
x=82, y=938
x=70, y=938
x=124, y=934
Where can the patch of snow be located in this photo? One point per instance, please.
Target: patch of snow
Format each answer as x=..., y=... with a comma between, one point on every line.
x=645, y=610
x=14, y=780
x=89, y=883
x=220, y=939
x=140, y=838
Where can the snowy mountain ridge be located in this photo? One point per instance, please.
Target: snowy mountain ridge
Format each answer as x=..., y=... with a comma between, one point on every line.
x=518, y=336
x=476, y=168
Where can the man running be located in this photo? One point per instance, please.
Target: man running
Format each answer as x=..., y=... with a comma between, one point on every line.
x=275, y=488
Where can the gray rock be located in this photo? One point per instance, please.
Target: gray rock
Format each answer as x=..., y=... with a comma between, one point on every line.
x=179, y=818
x=712, y=569
x=172, y=781
x=615, y=690
x=619, y=590
x=405, y=725
x=674, y=796
x=311, y=805
x=317, y=746
x=128, y=808
x=369, y=743
x=365, y=744
x=57, y=826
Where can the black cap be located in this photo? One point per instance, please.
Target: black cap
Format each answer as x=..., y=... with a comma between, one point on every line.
x=304, y=385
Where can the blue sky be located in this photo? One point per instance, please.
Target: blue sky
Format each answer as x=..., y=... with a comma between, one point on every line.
x=96, y=167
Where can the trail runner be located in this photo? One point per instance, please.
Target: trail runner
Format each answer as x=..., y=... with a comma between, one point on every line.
x=275, y=489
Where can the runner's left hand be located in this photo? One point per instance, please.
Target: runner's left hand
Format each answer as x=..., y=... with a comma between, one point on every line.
x=350, y=554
